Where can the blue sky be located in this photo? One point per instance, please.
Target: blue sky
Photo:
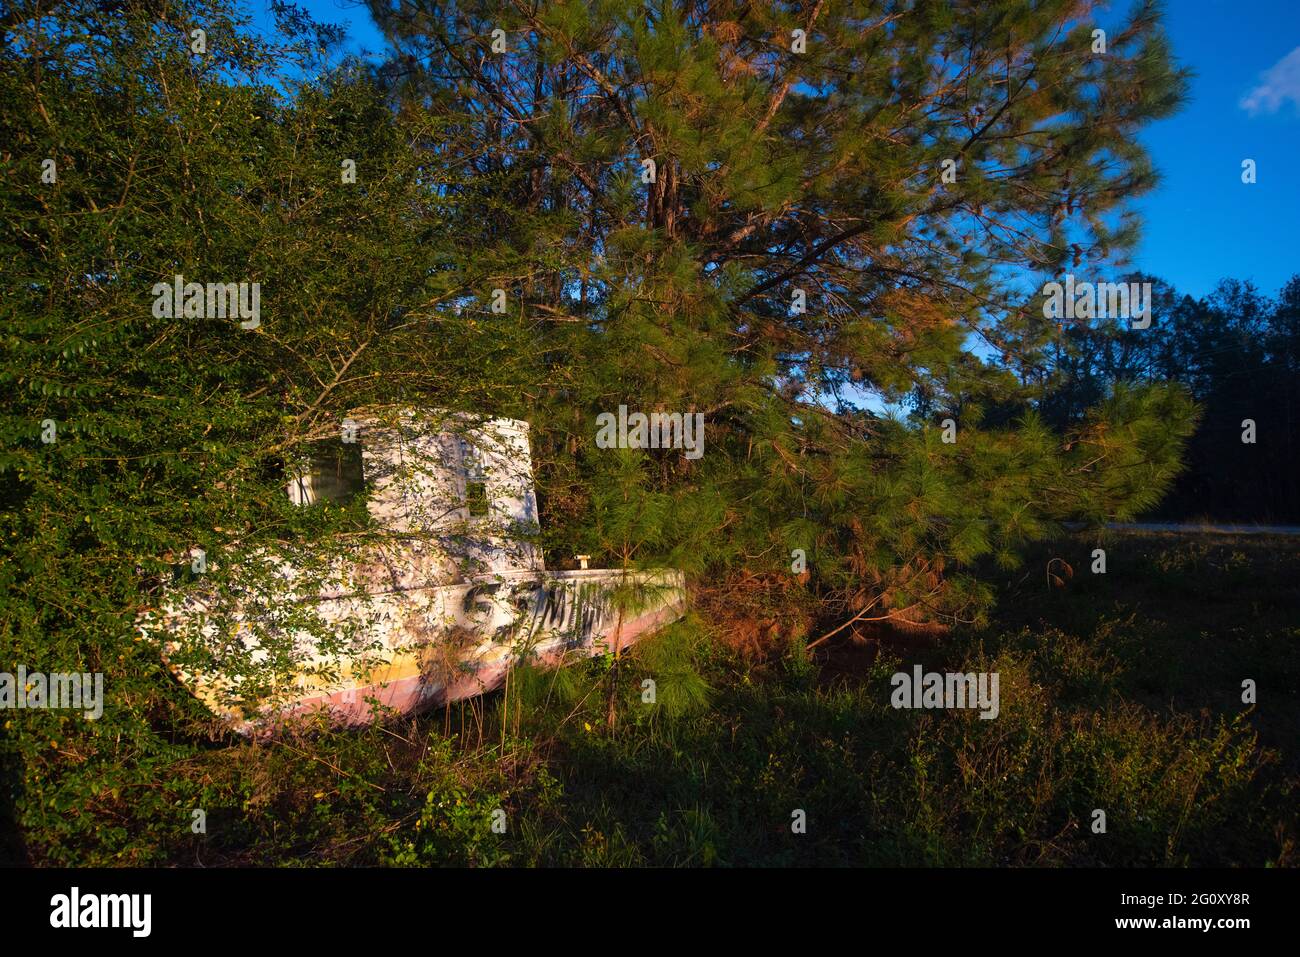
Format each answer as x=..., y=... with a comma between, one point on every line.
x=1202, y=223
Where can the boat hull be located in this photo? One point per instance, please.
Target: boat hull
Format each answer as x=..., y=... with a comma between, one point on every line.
x=427, y=647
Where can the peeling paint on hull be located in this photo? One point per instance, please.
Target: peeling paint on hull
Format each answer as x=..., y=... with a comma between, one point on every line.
x=445, y=643
x=403, y=686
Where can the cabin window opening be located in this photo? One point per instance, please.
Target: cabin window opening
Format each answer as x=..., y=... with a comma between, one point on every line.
x=476, y=495
x=476, y=498
x=334, y=472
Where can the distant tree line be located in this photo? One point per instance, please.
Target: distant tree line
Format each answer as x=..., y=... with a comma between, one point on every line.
x=1237, y=351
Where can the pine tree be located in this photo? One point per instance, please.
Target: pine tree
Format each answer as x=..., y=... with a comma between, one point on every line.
x=775, y=213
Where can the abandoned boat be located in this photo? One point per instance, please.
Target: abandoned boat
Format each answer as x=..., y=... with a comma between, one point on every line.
x=438, y=603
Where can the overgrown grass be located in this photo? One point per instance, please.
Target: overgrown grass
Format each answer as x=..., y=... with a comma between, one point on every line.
x=1119, y=692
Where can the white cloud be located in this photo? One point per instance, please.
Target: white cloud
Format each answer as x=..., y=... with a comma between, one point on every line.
x=1279, y=84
